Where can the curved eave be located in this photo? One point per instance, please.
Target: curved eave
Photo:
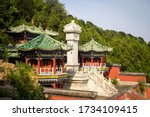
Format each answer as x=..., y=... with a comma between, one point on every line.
x=89, y=50
x=32, y=31
x=34, y=49
x=13, y=55
x=94, y=46
x=45, y=43
x=94, y=51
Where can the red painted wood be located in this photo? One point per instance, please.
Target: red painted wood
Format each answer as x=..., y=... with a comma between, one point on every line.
x=147, y=92
x=82, y=61
x=130, y=78
x=114, y=72
x=62, y=64
x=54, y=63
x=39, y=65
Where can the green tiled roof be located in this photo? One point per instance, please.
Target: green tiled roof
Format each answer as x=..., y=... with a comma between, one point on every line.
x=44, y=42
x=93, y=46
x=12, y=51
x=32, y=29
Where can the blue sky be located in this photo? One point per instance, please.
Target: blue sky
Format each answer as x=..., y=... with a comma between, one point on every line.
x=129, y=16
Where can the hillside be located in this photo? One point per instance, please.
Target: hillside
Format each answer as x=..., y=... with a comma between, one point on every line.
x=133, y=53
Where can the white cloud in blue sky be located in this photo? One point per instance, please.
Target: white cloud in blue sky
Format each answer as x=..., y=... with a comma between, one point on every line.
x=130, y=16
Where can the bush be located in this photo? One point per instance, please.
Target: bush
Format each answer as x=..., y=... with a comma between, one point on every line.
x=26, y=87
x=4, y=93
x=148, y=78
x=142, y=87
x=2, y=69
x=114, y=81
x=5, y=55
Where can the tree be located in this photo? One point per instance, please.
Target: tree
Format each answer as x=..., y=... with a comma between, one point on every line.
x=26, y=87
x=130, y=51
x=5, y=55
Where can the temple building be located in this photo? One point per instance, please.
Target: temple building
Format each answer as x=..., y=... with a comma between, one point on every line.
x=46, y=56
x=72, y=70
x=93, y=55
x=20, y=35
x=24, y=33
x=12, y=53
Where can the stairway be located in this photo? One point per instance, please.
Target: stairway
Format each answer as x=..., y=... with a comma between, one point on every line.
x=100, y=81
x=92, y=81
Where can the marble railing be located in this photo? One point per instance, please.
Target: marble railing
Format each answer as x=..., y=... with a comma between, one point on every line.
x=48, y=71
x=103, y=82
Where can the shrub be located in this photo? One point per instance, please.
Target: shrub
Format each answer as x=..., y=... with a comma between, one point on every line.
x=141, y=87
x=5, y=55
x=26, y=87
x=114, y=81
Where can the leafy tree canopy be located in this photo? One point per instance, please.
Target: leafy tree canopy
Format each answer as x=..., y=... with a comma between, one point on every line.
x=133, y=53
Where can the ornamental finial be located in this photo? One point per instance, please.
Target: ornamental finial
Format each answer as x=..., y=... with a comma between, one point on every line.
x=72, y=21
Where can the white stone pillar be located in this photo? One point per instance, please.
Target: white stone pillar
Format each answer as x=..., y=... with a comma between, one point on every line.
x=72, y=31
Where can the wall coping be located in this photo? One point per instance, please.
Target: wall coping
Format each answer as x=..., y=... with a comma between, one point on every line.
x=148, y=85
x=132, y=74
x=115, y=65
x=72, y=93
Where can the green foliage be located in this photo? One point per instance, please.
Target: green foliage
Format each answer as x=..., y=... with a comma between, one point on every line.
x=2, y=69
x=142, y=87
x=26, y=87
x=4, y=93
x=133, y=53
x=148, y=78
x=114, y=81
x=5, y=55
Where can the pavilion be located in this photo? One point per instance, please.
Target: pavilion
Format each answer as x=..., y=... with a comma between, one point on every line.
x=93, y=55
x=24, y=33
x=46, y=56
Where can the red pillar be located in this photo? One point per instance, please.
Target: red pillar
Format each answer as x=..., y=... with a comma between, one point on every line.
x=26, y=60
x=39, y=65
x=102, y=61
x=91, y=61
x=54, y=63
x=62, y=64
x=54, y=85
x=63, y=82
x=82, y=61
x=50, y=66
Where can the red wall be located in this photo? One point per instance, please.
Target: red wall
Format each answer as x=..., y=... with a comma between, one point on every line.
x=59, y=97
x=131, y=78
x=114, y=72
x=148, y=92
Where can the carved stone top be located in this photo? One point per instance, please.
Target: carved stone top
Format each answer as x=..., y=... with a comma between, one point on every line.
x=72, y=28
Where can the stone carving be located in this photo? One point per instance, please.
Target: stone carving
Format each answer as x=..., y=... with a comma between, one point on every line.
x=72, y=27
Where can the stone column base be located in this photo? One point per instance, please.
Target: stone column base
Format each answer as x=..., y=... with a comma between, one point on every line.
x=72, y=68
